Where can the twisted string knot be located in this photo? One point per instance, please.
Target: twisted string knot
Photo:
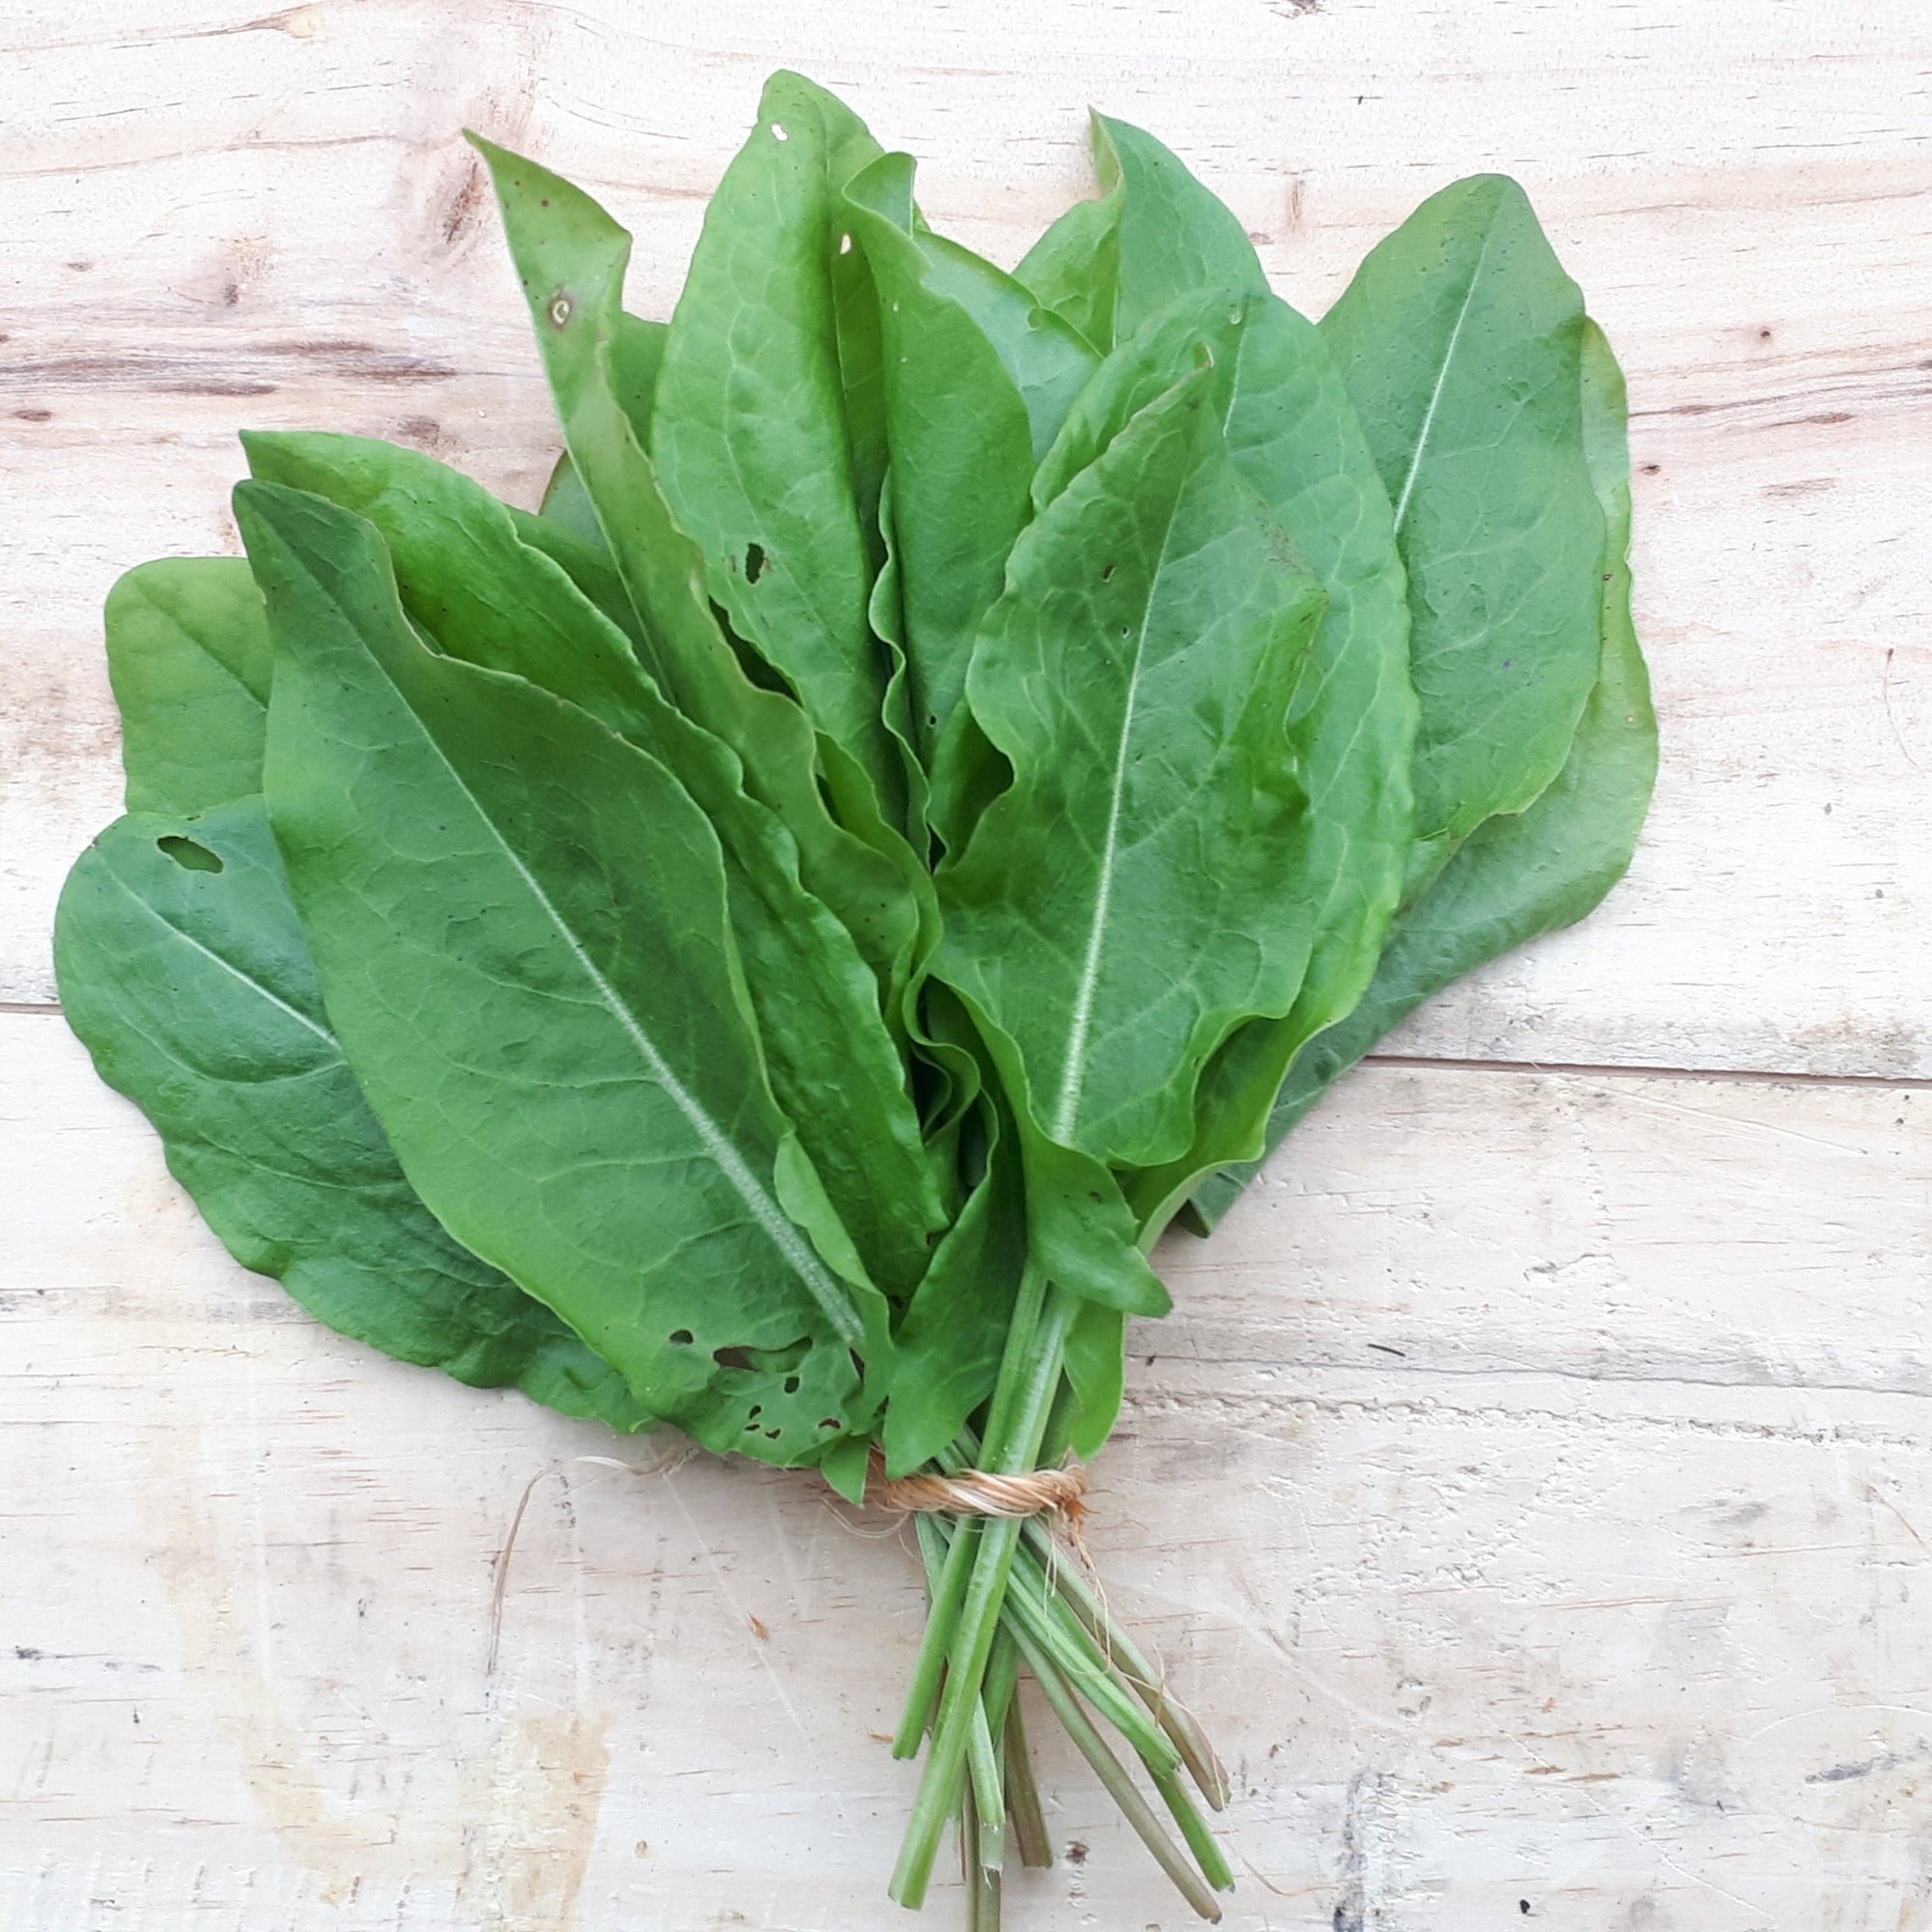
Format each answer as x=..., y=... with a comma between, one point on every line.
x=979, y=1492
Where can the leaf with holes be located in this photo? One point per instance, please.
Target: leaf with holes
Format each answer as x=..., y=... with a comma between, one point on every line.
x=183, y=970
x=519, y=926
x=957, y=762
x=571, y=257
x=749, y=425
x=482, y=594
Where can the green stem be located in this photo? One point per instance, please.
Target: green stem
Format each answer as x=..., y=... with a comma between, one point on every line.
x=1176, y=1719
x=1201, y=1842
x=1023, y=1794
x=1029, y=1379
x=1081, y=1661
x=1003, y=1676
x=948, y=1593
x=983, y=1893
x=1119, y=1786
x=943, y=1613
x=988, y=1788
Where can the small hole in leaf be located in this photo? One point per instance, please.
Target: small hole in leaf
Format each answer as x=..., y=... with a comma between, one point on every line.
x=791, y=1386
x=1107, y=575
x=757, y=1409
x=779, y=134
x=755, y=562
x=773, y=1435
x=190, y=857
x=828, y=1422
x=844, y=244
x=680, y=1338
x=559, y=310
x=732, y=1358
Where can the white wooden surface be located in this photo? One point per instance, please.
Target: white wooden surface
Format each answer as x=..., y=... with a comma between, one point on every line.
x=1532, y=1489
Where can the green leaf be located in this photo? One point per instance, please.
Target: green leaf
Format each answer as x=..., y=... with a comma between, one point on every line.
x=949, y=1342
x=486, y=597
x=748, y=431
x=1047, y=360
x=1080, y=1230
x=183, y=971
x=637, y=356
x=519, y=926
x=962, y=433
x=1118, y=911
x=1516, y=877
x=571, y=257
x=588, y=565
x=465, y=575
x=1459, y=341
x=1293, y=438
x=1154, y=234
x=188, y=654
x=567, y=502
x=637, y=351
x=1074, y=268
x=1096, y=1373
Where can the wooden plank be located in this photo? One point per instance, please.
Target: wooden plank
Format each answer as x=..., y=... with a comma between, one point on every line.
x=1531, y=1489
x=225, y=216
x=1531, y=1492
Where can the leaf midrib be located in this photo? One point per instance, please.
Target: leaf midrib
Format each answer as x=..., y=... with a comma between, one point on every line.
x=1441, y=378
x=1074, y=1072
x=771, y=1218
x=228, y=966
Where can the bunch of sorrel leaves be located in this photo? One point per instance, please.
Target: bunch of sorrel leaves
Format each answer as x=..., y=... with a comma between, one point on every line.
x=959, y=763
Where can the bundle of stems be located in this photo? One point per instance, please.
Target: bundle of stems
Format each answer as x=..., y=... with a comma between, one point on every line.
x=958, y=762
x=1004, y=1595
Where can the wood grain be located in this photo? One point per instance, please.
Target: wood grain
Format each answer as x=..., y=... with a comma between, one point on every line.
x=227, y=218
x=1532, y=1494
x=1531, y=1490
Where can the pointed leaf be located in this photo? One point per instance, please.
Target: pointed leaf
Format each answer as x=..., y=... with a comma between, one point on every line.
x=961, y=448
x=519, y=922
x=1459, y=341
x=1292, y=436
x=1516, y=877
x=483, y=596
x=1116, y=912
x=1154, y=234
x=571, y=257
x=750, y=434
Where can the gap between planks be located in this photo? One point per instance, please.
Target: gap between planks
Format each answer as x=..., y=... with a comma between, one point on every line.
x=1443, y=1063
